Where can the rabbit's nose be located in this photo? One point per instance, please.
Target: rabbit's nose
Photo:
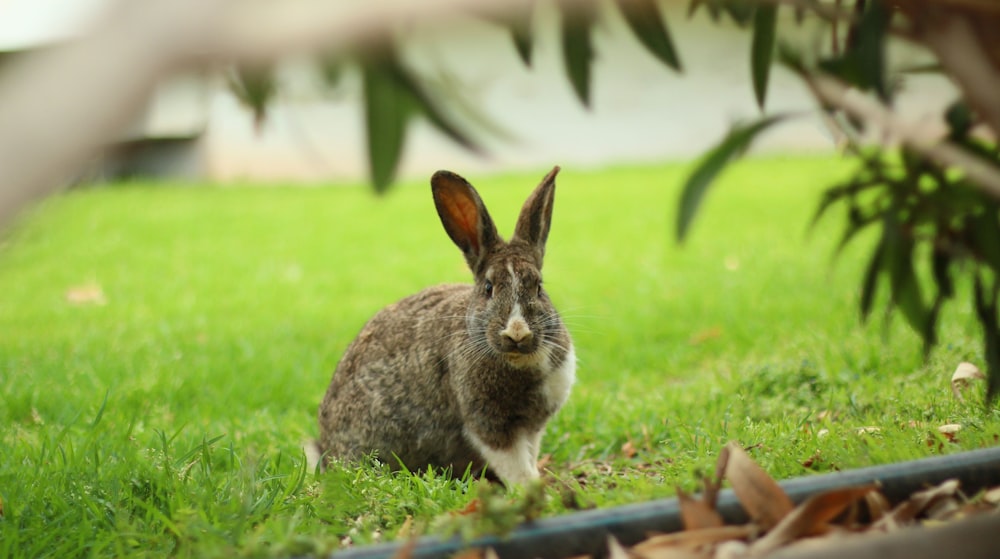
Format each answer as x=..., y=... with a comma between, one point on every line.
x=517, y=332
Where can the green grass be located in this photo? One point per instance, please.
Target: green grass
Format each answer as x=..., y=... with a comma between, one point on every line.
x=168, y=420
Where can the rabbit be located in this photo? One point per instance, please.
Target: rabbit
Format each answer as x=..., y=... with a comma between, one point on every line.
x=459, y=376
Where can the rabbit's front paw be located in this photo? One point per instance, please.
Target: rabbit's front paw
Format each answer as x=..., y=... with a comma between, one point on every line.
x=516, y=464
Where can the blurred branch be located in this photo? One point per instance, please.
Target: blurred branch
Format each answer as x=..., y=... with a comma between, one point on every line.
x=834, y=93
x=61, y=105
x=963, y=46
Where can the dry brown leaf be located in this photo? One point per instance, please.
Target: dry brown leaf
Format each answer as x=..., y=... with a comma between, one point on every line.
x=733, y=549
x=964, y=374
x=878, y=505
x=406, y=529
x=405, y=551
x=693, y=539
x=697, y=514
x=616, y=550
x=760, y=495
x=471, y=553
x=992, y=496
x=950, y=431
x=908, y=510
x=811, y=517
x=87, y=294
x=628, y=449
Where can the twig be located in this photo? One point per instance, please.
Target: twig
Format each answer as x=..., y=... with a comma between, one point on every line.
x=834, y=93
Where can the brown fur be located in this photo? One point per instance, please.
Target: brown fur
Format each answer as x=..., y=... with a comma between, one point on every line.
x=428, y=372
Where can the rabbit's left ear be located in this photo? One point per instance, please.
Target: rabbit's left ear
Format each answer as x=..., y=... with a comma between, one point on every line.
x=536, y=215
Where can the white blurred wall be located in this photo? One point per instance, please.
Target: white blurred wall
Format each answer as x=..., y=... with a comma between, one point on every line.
x=641, y=111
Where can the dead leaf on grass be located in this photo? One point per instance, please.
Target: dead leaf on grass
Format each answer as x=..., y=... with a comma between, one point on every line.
x=405, y=551
x=86, y=294
x=406, y=529
x=811, y=517
x=964, y=374
x=629, y=450
x=760, y=495
x=950, y=431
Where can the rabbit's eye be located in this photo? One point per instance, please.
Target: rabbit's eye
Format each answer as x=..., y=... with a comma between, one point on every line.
x=489, y=288
x=539, y=292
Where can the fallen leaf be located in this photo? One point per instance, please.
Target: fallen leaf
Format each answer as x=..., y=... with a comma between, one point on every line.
x=692, y=539
x=992, y=496
x=629, y=450
x=950, y=431
x=878, y=505
x=616, y=550
x=964, y=374
x=812, y=460
x=87, y=294
x=1, y=508
x=868, y=430
x=697, y=514
x=731, y=550
x=406, y=529
x=544, y=462
x=471, y=508
x=909, y=509
x=760, y=495
x=810, y=518
x=405, y=551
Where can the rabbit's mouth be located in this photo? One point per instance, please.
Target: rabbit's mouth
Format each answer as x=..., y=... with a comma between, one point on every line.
x=517, y=348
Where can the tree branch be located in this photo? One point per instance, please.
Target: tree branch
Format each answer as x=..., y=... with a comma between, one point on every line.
x=834, y=93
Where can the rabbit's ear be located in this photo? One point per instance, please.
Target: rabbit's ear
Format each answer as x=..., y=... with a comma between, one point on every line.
x=464, y=217
x=536, y=215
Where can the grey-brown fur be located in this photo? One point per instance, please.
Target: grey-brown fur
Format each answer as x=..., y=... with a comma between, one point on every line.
x=451, y=377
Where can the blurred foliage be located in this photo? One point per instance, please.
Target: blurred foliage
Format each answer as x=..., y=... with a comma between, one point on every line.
x=936, y=225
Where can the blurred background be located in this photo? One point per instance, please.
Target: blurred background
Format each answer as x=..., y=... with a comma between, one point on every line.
x=195, y=128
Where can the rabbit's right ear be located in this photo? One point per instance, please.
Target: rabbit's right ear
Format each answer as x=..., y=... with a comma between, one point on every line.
x=464, y=217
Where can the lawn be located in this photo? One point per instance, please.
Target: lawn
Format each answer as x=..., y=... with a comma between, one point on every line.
x=163, y=349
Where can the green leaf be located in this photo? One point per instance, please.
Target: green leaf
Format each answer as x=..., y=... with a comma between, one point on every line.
x=387, y=111
x=984, y=232
x=762, y=49
x=255, y=87
x=863, y=61
x=741, y=11
x=520, y=32
x=578, y=51
x=869, y=284
x=426, y=104
x=697, y=184
x=870, y=47
x=646, y=20
x=986, y=310
x=905, y=288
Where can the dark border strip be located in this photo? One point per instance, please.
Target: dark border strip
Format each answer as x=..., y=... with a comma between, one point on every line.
x=587, y=532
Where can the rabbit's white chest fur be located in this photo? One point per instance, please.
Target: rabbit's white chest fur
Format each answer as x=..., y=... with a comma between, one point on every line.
x=518, y=463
